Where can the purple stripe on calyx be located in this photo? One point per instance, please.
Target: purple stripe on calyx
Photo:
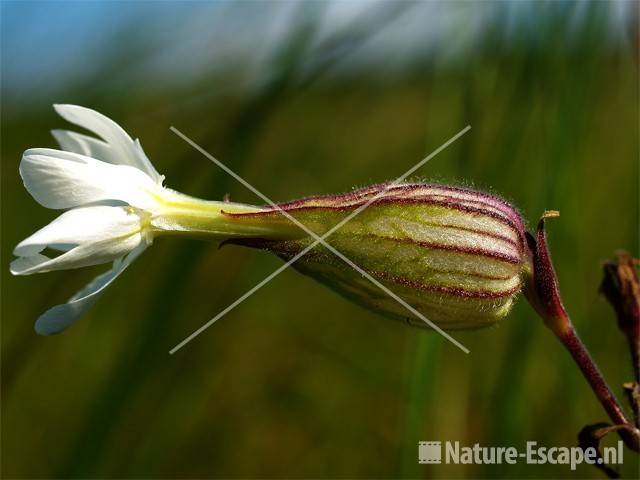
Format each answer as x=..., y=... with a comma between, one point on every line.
x=473, y=251
x=392, y=200
x=366, y=193
x=453, y=291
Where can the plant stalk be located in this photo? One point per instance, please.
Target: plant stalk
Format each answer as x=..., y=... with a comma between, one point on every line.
x=543, y=293
x=572, y=342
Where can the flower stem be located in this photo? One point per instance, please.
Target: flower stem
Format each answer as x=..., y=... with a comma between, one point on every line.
x=543, y=293
x=634, y=346
x=572, y=342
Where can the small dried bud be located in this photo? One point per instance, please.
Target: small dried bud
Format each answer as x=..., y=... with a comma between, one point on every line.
x=456, y=255
x=621, y=286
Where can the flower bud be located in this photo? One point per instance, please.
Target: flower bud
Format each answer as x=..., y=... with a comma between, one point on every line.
x=455, y=254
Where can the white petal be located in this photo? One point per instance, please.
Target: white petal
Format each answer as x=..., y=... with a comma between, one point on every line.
x=26, y=263
x=126, y=151
x=58, y=179
x=83, y=255
x=60, y=317
x=82, y=225
x=85, y=145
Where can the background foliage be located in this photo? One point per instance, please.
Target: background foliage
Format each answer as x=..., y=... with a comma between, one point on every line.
x=297, y=381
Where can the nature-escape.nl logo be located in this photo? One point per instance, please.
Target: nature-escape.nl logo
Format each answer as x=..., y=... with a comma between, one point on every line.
x=534, y=454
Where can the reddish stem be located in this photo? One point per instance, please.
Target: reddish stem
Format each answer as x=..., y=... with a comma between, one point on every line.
x=544, y=295
x=580, y=354
x=634, y=346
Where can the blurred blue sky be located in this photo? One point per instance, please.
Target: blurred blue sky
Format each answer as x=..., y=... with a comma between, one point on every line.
x=47, y=45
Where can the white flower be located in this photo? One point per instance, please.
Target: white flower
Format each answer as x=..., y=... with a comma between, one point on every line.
x=116, y=204
x=111, y=189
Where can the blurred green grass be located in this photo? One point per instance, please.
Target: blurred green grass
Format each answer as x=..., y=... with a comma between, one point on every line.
x=296, y=381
